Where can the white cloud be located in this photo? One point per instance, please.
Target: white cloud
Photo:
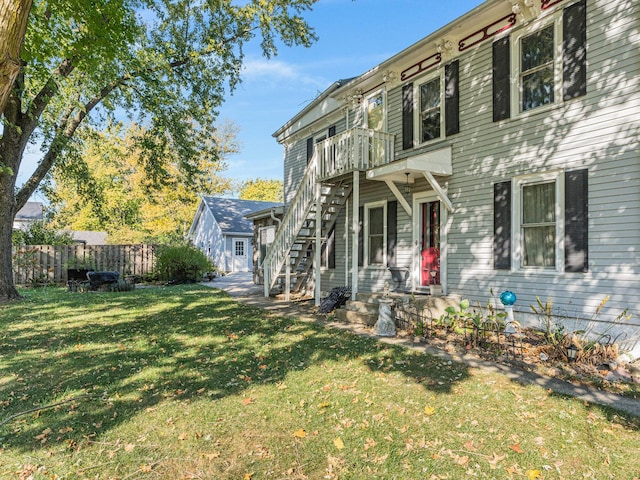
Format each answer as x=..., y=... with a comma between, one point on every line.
x=277, y=71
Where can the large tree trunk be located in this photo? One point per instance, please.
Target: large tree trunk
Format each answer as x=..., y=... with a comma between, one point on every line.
x=13, y=25
x=7, y=214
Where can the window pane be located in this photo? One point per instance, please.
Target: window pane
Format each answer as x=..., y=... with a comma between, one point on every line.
x=376, y=249
x=430, y=95
x=538, y=203
x=537, y=88
x=376, y=221
x=430, y=110
x=537, y=74
x=431, y=126
x=537, y=49
x=539, y=246
x=375, y=112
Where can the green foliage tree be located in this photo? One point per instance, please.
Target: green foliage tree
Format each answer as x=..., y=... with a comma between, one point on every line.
x=41, y=233
x=166, y=63
x=104, y=187
x=260, y=189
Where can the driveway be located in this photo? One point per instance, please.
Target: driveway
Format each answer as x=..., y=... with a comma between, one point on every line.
x=237, y=284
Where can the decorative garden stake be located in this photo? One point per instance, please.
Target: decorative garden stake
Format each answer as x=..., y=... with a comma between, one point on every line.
x=572, y=351
x=508, y=299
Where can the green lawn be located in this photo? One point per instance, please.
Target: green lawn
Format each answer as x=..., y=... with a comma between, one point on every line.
x=183, y=382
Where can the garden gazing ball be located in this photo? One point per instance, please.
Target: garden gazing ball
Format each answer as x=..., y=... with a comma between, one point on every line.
x=507, y=298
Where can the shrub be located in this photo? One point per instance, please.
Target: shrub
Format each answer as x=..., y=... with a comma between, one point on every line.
x=181, y=264
x=39, y=233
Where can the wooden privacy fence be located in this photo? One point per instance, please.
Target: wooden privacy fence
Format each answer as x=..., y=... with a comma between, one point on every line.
x=48, y=263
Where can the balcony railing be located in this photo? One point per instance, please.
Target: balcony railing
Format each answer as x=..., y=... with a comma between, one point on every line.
x=354, y=149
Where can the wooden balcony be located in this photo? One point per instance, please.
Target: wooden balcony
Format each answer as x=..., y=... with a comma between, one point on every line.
x=355, y=149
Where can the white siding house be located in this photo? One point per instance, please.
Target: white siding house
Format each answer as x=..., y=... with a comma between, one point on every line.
x=221, y=231
x=501, y=152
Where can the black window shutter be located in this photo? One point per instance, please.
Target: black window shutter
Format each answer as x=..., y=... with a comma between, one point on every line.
x=332, y=130
x=331, y=248
x=360, y=237
x=407, y=116
x=576, y=221
x=501, y=85
x=502, y=226
x=310, y=146
x=392, y=233
x=452, y=98
x=574, y=51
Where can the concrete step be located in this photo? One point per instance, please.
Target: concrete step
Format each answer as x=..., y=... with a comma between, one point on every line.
x=362, y=307
x=349, y=316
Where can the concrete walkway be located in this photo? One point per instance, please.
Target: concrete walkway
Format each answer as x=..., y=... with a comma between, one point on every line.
x=241, y=287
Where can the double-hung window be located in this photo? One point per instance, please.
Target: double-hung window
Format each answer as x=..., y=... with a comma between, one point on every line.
x=375, y=233
x=375, y=111
x=429, y=113
x=537, y=77
x=539, y=222
x=544, y=63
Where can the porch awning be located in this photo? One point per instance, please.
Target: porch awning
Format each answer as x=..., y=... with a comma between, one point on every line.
x=437, y=162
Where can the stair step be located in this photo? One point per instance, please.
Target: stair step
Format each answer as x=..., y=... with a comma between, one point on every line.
x=347, y=316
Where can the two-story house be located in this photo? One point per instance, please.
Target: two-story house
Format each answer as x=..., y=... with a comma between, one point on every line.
x=501, y=152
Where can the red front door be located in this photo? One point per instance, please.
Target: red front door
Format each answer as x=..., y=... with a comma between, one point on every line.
x=429, y=243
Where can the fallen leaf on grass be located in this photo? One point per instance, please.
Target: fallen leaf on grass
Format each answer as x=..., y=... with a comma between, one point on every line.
x=428, y=410
x=248, y=401
x=533, y=474
x=129, y=447
x=516, y=448
x=145, y=468
x=300, y=433
x=338, y=443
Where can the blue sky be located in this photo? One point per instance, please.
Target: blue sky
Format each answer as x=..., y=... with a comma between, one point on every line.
x=354, y=36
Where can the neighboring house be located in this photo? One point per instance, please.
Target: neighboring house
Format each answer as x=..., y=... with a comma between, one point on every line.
x=29, y=214
x=88, y=237
x=501, y=152
x=221, y=231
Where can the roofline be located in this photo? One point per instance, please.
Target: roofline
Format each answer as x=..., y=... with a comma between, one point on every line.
x=326, y=94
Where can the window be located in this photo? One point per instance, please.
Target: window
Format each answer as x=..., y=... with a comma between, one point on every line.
x=430, y=110
x=375, y=235
x=538, y=225
x=542, y=65
x=549, y=216
x=537, y=211
x=536, y=68
x=375, y=111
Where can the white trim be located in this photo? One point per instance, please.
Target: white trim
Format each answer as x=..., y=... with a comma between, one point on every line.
x=516, y=55
x=383, y=93
x=417, y=113
x=418, y=198
x=399, y=196
x=367, y=208
x=556, y=176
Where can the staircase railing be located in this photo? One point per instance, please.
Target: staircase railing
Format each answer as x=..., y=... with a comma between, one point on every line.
x=293, y=220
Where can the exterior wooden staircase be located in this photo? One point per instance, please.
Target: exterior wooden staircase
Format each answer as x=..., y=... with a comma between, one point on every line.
x=290, y=258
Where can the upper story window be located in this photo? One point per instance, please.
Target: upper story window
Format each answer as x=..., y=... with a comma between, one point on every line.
x=537, y=76
x=375, y=111
x=430, y=110
x=543, y=64
x=430, y=107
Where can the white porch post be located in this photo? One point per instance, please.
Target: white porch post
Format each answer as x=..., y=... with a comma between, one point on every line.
x=317, y=252
x=355, y=227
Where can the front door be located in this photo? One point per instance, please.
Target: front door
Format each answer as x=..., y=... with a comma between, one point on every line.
x=427, y=223
x=240, y=255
